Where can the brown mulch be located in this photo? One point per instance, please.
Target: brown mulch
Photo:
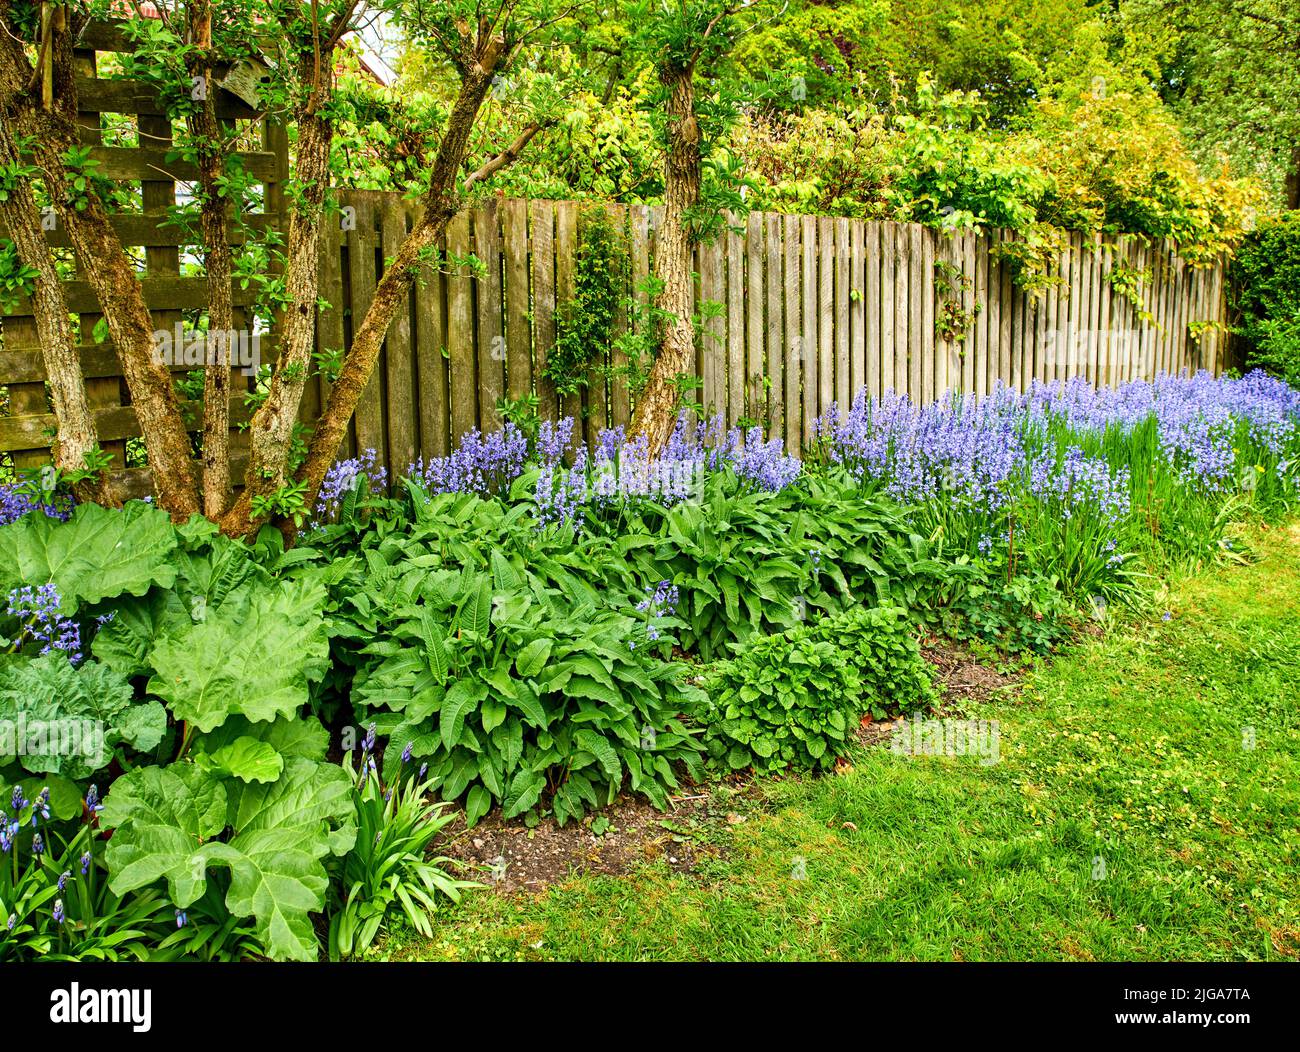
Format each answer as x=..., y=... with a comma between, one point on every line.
x=961, y=676
x=510, y=857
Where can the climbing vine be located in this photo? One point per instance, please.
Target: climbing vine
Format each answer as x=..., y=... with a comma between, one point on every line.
x=586, y=325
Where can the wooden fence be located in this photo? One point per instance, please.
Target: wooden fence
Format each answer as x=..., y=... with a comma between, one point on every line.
x=812, y=309
x=123, y=109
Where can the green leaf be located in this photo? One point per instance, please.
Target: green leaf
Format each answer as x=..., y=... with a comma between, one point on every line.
x=166, y=820
x=462, y=697
x=125, y=642
x=300, y=737
x=255, y=661
x=70, y=718
x=532, y=659
x=524, y=792
x=97, y=554
x=245, y=758
x=599, y=746
x=162, y=817
x=477, y=804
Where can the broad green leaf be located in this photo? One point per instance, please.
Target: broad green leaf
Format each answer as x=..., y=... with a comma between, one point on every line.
x=97, y=554
x=599, y=746
x=300, y=737
x=532, y=659
x=245, y=758
x=162, y=818
x=125, y=641
x=462, y=697
x=256, y=661
x=524, y=792
x=69, y=718
x=477, y=804
x=166, y=822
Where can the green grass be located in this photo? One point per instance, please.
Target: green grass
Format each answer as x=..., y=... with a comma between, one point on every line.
x=1130, y=747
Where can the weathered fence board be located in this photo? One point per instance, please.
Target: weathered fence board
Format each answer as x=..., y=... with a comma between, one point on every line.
x=807, y=310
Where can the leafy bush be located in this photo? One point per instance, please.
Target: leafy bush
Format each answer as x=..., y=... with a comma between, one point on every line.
x=92, y=704
x=507, y=689
x=1266, y=280
x=388, y=871
x=1027, y=613
x=266, y=840
x=794, y=699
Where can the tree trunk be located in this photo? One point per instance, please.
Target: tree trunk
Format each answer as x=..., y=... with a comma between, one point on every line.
x=656, y=409
x=213, y=218
x=108, y=268
x=272, y=426
x=112, y=277
x=440, y=205
x=77, y=435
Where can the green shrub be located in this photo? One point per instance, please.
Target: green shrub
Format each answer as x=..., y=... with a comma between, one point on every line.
x=1266, y=278
x=793, y=700
x=509, y=691
x=1027, y=613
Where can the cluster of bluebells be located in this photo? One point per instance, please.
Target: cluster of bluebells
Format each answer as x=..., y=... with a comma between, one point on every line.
x=622, y=470
x=482, y=464
x=343, y=478
x=1077, y=482
x=980, y=454
x=37, y=609
x=964, y=451
x=15, y=502
x=618, y=469
x=1198, y=419
x=659, y=602
x=561, y=495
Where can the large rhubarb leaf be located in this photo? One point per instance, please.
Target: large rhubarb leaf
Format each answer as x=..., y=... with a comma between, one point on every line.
x=97, y=554
x=163, y=818
x=69, y=718
x=126, y=639
x=175, y=823
x=253, y=658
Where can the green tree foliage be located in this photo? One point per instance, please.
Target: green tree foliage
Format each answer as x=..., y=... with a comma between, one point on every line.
x=1266, y=274
x=1230, y=70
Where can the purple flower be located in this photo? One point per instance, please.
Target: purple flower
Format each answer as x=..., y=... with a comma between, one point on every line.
x=16, y=500
x=345, y=478
x=37, y=611
x=481, y=464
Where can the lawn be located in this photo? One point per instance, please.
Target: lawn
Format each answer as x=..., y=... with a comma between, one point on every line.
x=1143, y=807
